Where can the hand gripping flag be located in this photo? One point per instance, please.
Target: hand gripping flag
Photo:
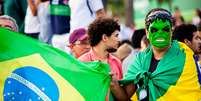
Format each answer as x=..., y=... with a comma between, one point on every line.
x=33, y=71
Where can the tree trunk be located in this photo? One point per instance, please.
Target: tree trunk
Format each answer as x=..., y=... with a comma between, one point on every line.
x=129, y=12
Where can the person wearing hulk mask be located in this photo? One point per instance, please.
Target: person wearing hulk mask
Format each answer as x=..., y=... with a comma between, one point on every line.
x=165, y=71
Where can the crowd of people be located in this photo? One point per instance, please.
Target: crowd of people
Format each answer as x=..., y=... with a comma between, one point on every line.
x=142, y=65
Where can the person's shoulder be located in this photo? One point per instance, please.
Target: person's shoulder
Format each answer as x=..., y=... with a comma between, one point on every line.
x=185, y=48
x=114, y=58
x=144, y=52
x=85, y=57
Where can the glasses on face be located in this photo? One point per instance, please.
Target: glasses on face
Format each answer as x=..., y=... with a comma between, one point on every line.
x=83, y=42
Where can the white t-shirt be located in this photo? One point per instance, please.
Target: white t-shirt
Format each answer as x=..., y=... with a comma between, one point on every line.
x=125, y=33
x=44, y=18
x=32, y=24
x=80, y=14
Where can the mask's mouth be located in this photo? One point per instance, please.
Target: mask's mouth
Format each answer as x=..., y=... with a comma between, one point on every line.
x=160, y=40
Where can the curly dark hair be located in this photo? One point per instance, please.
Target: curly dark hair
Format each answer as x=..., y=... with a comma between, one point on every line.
x=157, y=13
x=99, y=27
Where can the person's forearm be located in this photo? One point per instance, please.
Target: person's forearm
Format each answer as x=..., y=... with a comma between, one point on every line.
x=122, y=93
x=33, y=7
x=119, y=93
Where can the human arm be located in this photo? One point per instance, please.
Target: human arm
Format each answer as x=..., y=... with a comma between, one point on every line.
x=97, y=8
x=121, y=93
x=33, y=6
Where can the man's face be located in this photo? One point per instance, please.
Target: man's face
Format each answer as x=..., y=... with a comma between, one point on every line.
x=80, y=47
x=159, y=33
x=7, y=24
x=196, y=42
x=112, y=41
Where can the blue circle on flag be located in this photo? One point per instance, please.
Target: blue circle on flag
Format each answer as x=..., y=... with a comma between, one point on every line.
x=30, y=84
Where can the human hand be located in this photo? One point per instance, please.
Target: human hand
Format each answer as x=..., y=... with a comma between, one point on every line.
x=37, y=2
x=114, y=81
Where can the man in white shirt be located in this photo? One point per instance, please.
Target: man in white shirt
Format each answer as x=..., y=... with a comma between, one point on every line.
x=83, y=12
x=32, y=24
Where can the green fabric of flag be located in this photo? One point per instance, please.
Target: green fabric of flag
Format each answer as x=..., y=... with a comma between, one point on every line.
x=159, y=81
x=20, y=53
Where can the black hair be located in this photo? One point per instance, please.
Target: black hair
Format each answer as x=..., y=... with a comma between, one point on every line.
x=99, y=27
x=157, y=13
x=44, y=0
x=137, y=37
x=184, y=31
x=198, y=11
x=199, y=27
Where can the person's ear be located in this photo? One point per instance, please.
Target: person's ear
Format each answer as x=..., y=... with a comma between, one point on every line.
x=187, y=42
x=146, y=31
x=104, y=37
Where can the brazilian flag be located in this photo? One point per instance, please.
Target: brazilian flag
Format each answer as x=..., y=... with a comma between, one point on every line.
x=34, y=71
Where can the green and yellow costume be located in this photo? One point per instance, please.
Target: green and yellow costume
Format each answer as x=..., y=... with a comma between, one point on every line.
x=175, y=78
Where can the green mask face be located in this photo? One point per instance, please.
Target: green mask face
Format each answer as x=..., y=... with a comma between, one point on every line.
x=159, y=33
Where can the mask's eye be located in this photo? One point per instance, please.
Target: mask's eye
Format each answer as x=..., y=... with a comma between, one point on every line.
x=166, y=29
x=153, y=30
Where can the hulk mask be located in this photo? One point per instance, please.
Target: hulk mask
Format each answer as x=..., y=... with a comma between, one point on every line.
x=159, y=33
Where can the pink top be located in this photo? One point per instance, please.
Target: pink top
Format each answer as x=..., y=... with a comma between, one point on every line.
x=114, y=62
